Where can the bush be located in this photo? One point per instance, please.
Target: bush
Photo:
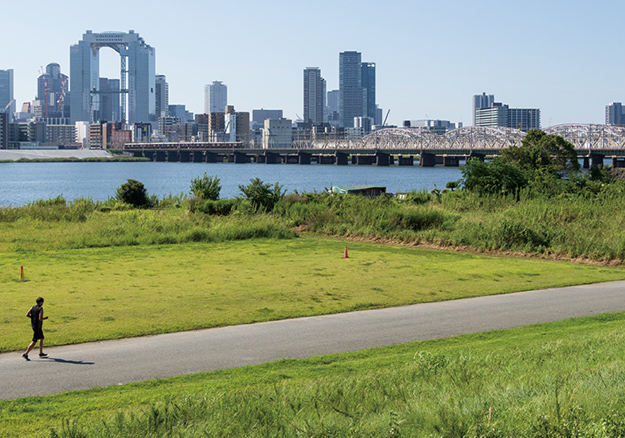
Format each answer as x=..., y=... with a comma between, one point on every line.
x=261, y=195
x=419, y=197
x=133, y=193
x=206, y=187
x=220, y=207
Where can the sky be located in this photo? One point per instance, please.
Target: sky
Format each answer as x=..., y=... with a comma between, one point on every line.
x=564, y=57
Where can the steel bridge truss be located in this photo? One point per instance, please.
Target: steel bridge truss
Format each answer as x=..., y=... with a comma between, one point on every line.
x=584, y=137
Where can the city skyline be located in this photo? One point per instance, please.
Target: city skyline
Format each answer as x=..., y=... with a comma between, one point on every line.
x=431, y=58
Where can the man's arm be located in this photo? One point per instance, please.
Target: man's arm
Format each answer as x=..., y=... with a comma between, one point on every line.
x=28, y=314
x=41, y=318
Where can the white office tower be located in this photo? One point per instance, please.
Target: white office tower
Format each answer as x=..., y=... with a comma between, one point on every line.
x=215, y=97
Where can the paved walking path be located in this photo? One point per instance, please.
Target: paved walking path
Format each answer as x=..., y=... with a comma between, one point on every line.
x=130, y=360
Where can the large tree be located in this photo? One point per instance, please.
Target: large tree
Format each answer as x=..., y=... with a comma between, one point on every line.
x=542, y=152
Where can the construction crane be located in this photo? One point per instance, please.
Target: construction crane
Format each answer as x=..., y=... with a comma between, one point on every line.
x=61, y=99
x=386, y=118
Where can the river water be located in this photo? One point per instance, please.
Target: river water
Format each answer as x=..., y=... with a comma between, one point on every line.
x=21, y=183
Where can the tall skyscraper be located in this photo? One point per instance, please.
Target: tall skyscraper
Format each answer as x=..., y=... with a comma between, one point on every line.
x=314, y=95
x=351, y=93
x=7, y=102
x=482, y=101
x=161, y=96
x=52, y=87
x=368, y=83
x=614, y=114
x=215, y=97
x=137, y=76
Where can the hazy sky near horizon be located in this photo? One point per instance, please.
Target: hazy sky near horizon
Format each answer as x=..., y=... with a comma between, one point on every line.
x=564, y=57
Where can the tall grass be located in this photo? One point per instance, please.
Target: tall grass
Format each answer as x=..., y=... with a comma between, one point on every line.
x=573, y=225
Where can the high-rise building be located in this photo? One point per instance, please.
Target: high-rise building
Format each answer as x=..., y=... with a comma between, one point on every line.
x=614, y=114
x=215, y=97
x=109, y=105
x=333, y=107
x=351, y=93
x=482, y=101
x=7, y=102
x=314, y=96
x=368, y=83
x=161, y=96
x=502, y=115
x=52, y=87
x=137, y=76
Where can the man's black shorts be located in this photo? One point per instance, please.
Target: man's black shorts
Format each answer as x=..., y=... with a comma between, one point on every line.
x=37, y=334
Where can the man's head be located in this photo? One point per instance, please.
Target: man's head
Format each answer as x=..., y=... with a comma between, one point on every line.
x=39, y=301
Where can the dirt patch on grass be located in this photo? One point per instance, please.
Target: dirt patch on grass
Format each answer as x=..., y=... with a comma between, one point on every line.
x=555, y=256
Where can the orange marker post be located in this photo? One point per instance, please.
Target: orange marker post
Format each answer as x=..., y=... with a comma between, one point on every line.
x=21, y=272
x=345, y=256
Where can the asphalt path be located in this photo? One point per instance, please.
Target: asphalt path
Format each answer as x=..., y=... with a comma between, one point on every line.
x=100, y=364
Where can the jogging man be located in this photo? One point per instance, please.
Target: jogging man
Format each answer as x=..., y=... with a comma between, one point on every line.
x=36, y=318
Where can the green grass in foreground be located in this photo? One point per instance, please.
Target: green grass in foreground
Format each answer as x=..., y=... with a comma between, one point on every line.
x=563, y=379
x=107, y=293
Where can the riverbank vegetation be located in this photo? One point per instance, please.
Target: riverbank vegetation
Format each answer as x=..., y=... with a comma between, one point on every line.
x=560, y=379
x=577, y=218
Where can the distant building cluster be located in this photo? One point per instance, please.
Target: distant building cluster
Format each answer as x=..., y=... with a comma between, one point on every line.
x=83, y=110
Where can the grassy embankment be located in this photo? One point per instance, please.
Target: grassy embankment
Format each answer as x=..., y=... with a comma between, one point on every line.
x=552, y=380
x=107, y=293
x=65, y=234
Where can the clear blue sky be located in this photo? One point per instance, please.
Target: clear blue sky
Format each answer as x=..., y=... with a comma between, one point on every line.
x=564, y=57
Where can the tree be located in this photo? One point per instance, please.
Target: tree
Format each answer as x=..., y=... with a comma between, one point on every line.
x=494, y=177
x=133, y=192
x=206, y=187
x=261, y=195
x=542, y=152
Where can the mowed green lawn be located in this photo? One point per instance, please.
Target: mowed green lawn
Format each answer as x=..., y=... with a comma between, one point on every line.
x=107, y=293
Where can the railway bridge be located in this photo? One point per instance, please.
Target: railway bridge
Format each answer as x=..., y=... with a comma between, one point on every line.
x=400, y=146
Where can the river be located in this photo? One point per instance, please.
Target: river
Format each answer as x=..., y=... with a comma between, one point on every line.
x=22, y=183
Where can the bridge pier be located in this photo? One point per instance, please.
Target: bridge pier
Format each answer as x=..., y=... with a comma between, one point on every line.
x=340, y=158
x=451, y=161
x=211, y=157
x=185, y=156
x=172, y=156
x=160, y=156
x=240, y=158
x=427, y=160
x=381, y=159
x=618, y=162
x=596, y=159
x=327, y=159
x=271, y=158
x=363, y=160
x=146, y=154
x=199, y=157
x=405, y=161
x=303, y=158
